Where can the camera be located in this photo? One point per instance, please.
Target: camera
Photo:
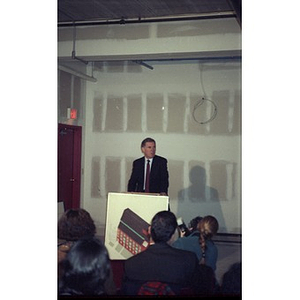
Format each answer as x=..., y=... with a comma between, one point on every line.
x=183, y=228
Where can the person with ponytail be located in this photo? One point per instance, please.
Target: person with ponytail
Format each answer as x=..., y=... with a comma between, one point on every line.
x=208, y=227
x=200, y=241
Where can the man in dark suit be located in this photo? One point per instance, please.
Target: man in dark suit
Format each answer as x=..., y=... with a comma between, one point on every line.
x=160, y=261
x=159, y=176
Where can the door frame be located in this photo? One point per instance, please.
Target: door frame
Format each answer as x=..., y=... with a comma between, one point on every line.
x=76, y=168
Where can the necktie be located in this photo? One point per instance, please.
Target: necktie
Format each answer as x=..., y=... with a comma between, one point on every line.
x=147, y=177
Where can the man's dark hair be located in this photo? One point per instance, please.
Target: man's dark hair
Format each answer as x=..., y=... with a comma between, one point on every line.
x=163, y=225
x=147, y=140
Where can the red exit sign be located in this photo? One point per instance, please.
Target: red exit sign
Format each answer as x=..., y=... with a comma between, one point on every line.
x=72, y=113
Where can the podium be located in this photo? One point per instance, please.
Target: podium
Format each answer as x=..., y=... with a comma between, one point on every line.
x=128, y=217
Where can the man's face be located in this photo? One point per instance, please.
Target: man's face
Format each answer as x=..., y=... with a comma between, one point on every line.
x=149, y=149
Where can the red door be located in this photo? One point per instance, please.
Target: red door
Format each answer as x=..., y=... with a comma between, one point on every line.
x=69, y=165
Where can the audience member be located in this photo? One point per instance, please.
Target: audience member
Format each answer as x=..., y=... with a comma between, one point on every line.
x=208, y=227
x=86, y=268
x=232, y=280
x=73, y=225
x=205, y=283
x=160, y=262
x=190, y=242
x=200, y=242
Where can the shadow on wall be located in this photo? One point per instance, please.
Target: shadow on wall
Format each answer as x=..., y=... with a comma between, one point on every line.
x=200, y=199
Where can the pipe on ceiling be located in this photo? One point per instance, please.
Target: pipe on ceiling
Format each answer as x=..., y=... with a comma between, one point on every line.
x=76, y=73
x=122, y=21
x=140, y=62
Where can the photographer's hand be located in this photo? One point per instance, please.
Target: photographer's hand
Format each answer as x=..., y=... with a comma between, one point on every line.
x=182, y=233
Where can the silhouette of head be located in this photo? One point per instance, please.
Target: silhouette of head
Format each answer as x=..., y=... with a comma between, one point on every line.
x=198, y=175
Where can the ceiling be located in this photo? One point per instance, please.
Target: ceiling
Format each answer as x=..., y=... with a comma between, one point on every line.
x=97, y=12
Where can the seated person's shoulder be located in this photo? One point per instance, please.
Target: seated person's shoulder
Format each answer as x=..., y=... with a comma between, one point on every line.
x=187, y=255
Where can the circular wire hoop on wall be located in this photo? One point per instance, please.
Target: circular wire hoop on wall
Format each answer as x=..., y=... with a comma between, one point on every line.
x=213, y=110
